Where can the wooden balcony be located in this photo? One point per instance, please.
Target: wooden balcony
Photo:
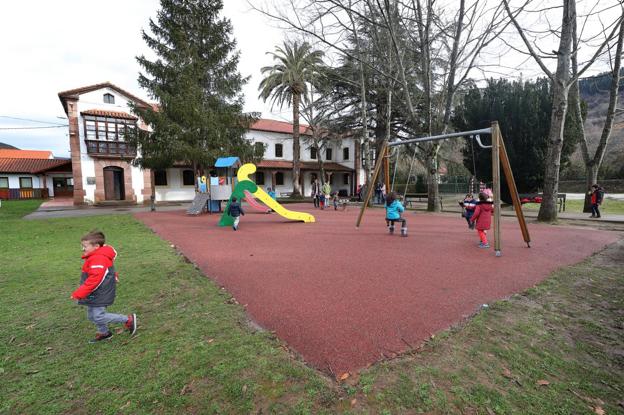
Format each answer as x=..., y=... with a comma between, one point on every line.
x=110, y=149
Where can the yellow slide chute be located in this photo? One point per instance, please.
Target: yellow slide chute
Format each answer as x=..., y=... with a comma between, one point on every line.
x=243, y=174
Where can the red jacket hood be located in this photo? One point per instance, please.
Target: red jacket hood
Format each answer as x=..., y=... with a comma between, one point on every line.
x=106, y=250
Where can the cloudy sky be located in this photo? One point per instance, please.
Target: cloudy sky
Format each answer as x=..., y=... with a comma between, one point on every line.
x=51, y=46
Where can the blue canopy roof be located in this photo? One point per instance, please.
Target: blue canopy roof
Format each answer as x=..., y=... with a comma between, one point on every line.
x=227, y=161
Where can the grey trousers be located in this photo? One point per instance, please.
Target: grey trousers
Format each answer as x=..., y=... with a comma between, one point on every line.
x=101, y=319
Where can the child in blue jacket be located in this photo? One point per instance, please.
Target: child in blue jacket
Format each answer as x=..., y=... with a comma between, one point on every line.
x=394, y=208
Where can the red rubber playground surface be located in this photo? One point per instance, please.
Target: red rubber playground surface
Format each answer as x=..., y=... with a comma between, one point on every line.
x=343, y=297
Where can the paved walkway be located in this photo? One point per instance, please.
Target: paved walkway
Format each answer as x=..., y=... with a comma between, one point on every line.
x=51, y=211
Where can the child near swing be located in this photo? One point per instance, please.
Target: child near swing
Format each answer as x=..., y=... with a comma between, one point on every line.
x=482, y=218
x=394, y=208
x=469, y=205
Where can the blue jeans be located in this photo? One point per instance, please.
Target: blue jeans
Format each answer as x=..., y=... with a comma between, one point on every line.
x=595, y=210
x=101, y=319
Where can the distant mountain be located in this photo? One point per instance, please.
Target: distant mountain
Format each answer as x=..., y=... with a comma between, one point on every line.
x=595, y=91
x=8, y=146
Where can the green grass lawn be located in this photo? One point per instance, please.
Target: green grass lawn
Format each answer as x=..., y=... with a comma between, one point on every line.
x=196, y=353
x=610, y=206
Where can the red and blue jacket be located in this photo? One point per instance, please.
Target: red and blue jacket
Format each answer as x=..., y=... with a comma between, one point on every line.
x=98, y=279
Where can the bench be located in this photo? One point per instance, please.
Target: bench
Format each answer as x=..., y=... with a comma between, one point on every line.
x=286, y=194
x=413, y=197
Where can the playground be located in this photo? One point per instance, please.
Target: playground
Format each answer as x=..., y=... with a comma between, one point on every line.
x=344, y=298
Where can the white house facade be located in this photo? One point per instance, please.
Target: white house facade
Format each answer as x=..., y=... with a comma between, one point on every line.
x=100, y=118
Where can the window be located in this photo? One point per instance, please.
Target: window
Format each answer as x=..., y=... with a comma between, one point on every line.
x=160, y=177
x=345, y=153
x=278, y=150
x=259, y=149
x=188, y=178
x=328, y=154
x=279, y=178
x=107, y=129
x=313, y=153
x=109, y=99
x=345, y=178
x=260, y=178
x=4, y=182
x=25, y=182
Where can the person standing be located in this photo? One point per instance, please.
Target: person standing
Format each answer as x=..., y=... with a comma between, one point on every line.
x=327, y=192
x=597, y=194
x=316, y=193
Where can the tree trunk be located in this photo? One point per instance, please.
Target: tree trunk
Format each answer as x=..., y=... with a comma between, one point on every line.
x=561, y=86
x=296, y=168
x=548, y=208
x=433, y=193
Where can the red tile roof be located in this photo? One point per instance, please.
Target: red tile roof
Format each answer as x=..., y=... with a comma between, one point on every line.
x=76, y=92
x=313, y=165
x=31, y=166
x=112, y=114
x=306, y=165
x=275, y=164
x=278, y=127
x=25, y=154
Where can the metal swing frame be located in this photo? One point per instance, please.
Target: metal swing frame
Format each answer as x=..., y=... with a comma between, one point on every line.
x=499, y=156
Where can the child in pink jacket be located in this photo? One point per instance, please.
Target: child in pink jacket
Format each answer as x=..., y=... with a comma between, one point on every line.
x=482, y=217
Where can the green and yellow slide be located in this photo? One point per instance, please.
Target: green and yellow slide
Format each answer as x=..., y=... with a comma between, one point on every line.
x=244, y=183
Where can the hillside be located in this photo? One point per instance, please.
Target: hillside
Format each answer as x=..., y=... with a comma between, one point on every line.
x=8, y=146
x=595, y=92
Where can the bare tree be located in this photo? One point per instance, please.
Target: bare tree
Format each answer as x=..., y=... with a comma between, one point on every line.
x=562, y=80
x=593, y=163
x=424, y=83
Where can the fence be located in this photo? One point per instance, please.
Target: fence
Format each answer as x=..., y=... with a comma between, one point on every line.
x=15, y=194
x=580, y=186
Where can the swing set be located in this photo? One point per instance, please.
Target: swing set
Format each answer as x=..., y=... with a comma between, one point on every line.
x=499, y=156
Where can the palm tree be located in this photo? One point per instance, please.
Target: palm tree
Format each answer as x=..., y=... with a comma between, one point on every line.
x=286, y=82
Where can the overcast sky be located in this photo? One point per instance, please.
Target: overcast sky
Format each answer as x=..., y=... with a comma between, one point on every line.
x=51, y=46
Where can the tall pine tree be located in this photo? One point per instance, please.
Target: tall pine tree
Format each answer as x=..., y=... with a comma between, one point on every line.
x=197, y=86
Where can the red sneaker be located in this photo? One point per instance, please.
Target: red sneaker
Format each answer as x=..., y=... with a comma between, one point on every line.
x=131, y=324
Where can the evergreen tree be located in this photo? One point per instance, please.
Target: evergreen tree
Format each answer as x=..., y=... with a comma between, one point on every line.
x=523, y=113
x=197, y=86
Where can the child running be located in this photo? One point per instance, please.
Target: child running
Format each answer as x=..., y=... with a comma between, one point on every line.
x=482, y=217
x=469, y=204
x=394, y=208
x=235, y=210
x=97, y=286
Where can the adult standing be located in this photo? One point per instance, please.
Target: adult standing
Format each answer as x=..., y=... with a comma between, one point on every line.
x=378, y=193
x=597, y=194
x=316, y=192
x=382, y=190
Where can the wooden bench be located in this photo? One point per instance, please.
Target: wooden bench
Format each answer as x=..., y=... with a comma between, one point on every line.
x=411, y=197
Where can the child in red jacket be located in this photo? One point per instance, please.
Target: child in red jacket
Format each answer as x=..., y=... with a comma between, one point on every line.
x=483, y=219
x=97, y=286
